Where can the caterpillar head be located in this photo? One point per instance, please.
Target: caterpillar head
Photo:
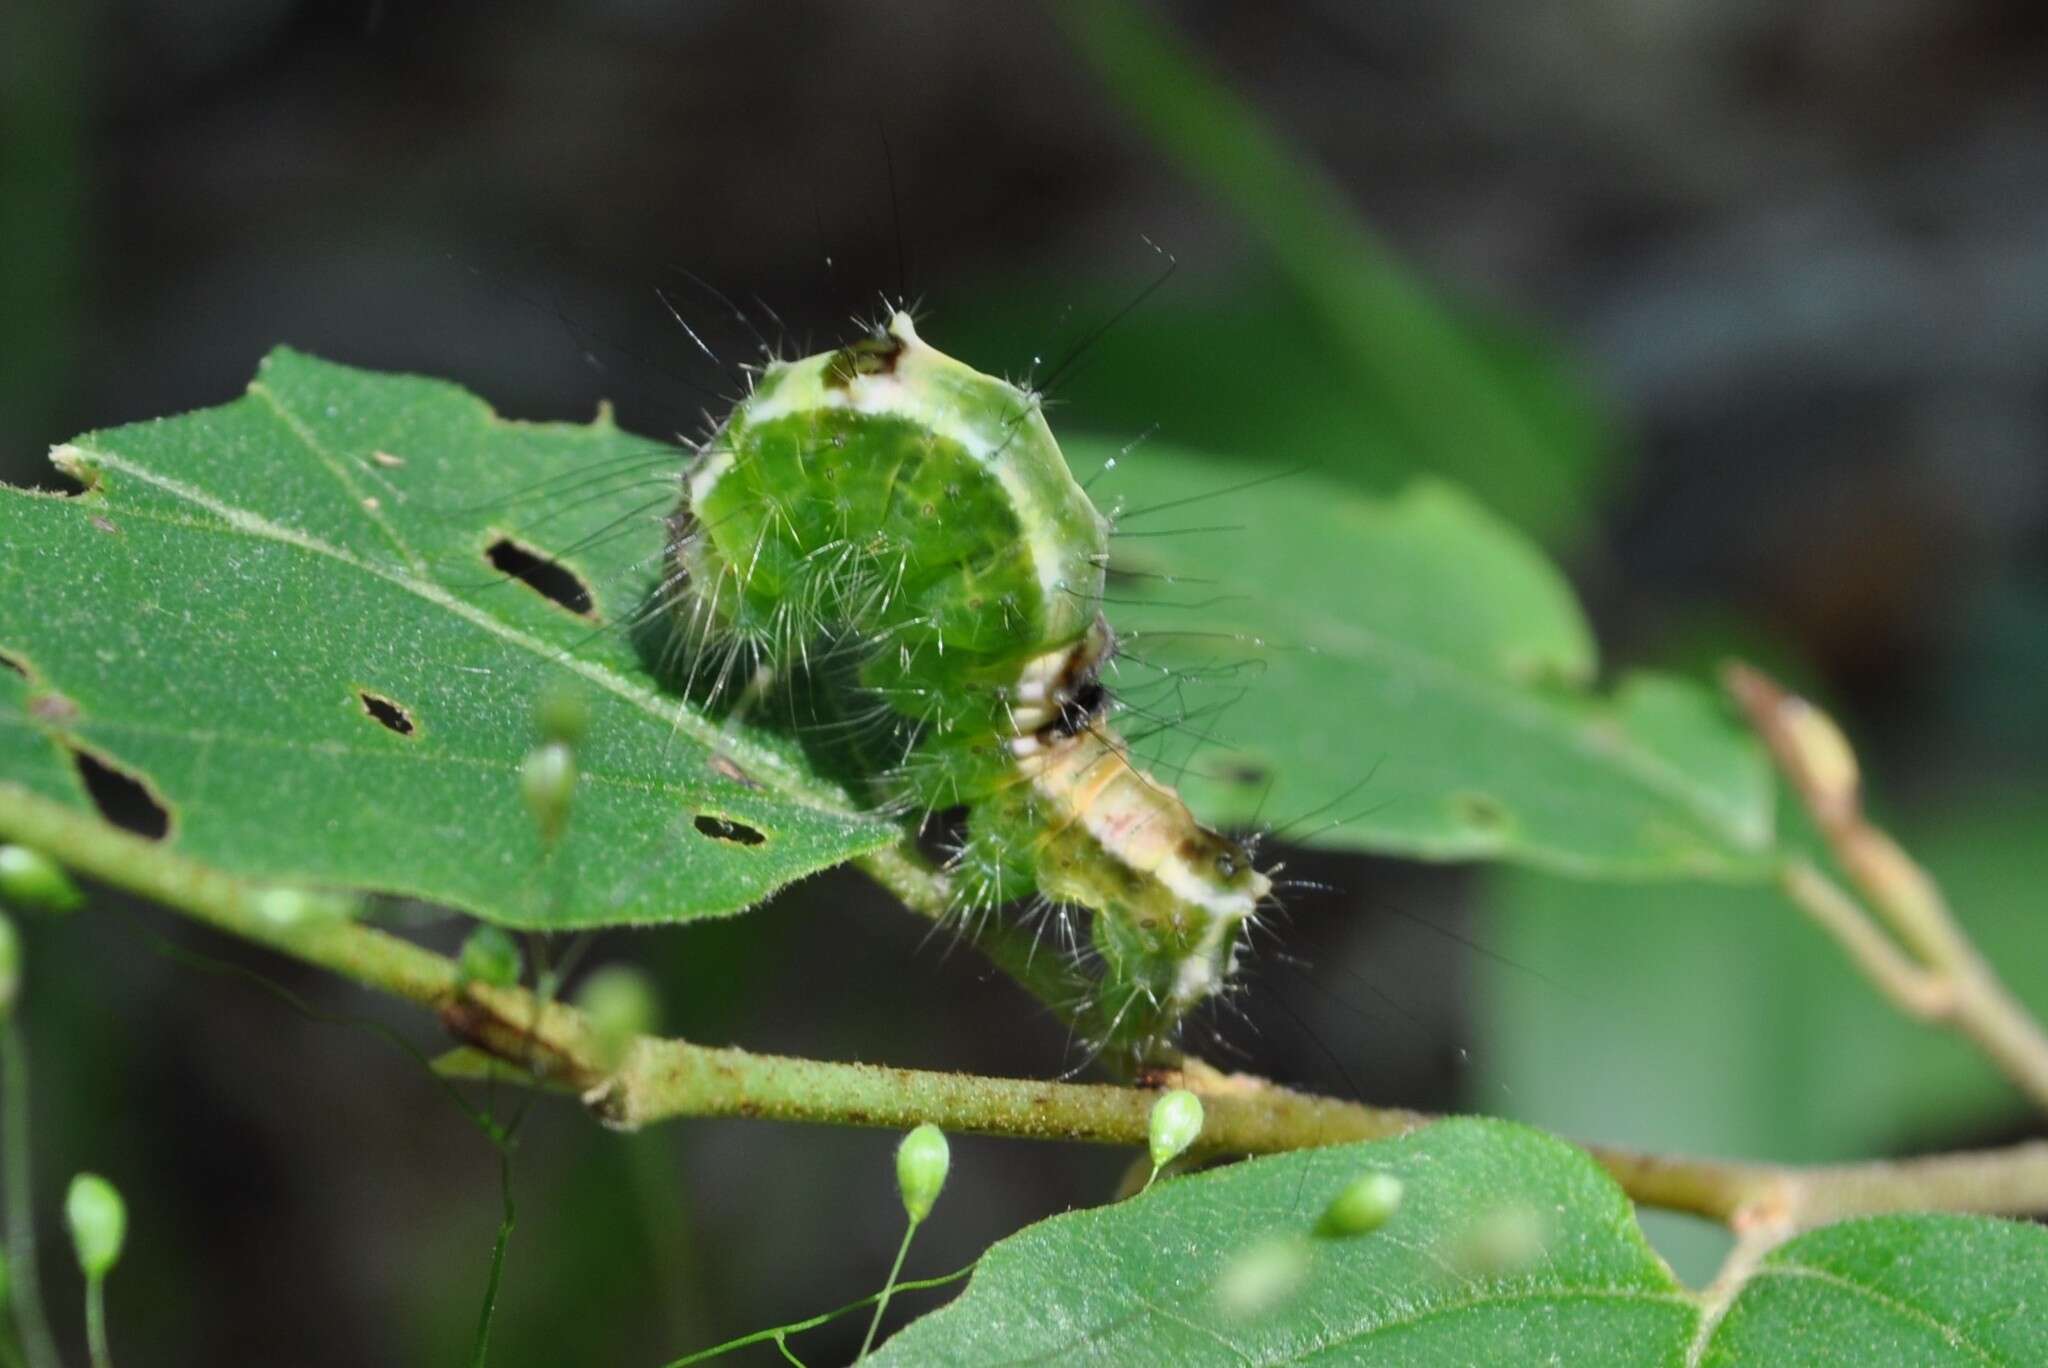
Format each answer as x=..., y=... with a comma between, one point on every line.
x=1214, y=873
x=1169, y=938
x=1171, y=898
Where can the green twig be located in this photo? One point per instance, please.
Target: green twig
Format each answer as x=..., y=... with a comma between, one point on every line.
x=654, y=1079
x=96, y=1322
x=26, y=1296
x=779, y=1332
x=888, y=1287
x=1901, y=933
x=490, y=1306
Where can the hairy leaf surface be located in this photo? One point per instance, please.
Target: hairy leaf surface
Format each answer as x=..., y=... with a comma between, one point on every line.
x=1409, y=676
x=282, y=633
x=288, y=622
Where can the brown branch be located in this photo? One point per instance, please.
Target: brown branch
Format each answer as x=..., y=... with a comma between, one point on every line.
x=1919, y=957
x=519, y=1035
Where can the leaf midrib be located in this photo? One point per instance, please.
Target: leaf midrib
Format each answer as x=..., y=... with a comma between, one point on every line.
x=767, y=767
x=1904, y=1310
x=332, y=464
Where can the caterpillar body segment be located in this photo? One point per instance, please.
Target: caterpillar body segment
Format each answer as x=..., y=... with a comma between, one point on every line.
x=887, y=517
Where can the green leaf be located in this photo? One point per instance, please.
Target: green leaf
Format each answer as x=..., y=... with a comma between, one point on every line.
x=1896, y=1290
x=280, y=618
x=1145, y=1282
x=1509, y=1246
x=1413, y=672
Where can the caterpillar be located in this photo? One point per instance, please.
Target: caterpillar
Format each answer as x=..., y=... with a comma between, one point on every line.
x=903, y=532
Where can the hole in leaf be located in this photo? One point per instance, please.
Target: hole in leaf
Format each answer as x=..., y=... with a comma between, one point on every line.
x=122, y=798
x=722, y=829
x=387, y=712
x=549, y=578
x=70, y=474
x=49, y=482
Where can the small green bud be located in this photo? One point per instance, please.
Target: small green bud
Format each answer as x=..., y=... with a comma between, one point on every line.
x=1176, y=1124
x=921, y=1162
x=547, y=779
x=286, y=906
x=1503, y=1242
x=1366, y=1203
x=561, y=715
x=99, y=1222
x=490, y=956
x=31, y=879
x=621, y=1003
x=10, y=966
x=1262, y=1276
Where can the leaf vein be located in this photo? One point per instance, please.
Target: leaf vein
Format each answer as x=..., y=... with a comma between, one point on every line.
x=1905, y=1310
x=767, y=767
x=334, y=467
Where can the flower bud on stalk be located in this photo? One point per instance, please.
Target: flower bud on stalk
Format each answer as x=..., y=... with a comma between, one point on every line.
x=921, y=1163
x=32, y=880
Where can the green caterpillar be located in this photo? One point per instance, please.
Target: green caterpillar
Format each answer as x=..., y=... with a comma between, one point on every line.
x=905, y=525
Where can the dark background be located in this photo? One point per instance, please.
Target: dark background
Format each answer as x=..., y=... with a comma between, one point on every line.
x=1792, y=259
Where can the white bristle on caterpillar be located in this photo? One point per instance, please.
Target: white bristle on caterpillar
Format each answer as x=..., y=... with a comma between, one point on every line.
x=886, y=495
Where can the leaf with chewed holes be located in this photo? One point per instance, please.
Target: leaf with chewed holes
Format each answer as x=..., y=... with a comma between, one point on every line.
x=302, y=637
x=1407, y=675
x=1506, y=1246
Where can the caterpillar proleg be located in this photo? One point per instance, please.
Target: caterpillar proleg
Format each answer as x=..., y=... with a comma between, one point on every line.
x=889, y=519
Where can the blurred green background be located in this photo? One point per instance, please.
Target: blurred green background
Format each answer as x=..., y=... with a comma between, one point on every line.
x=1741, y=309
